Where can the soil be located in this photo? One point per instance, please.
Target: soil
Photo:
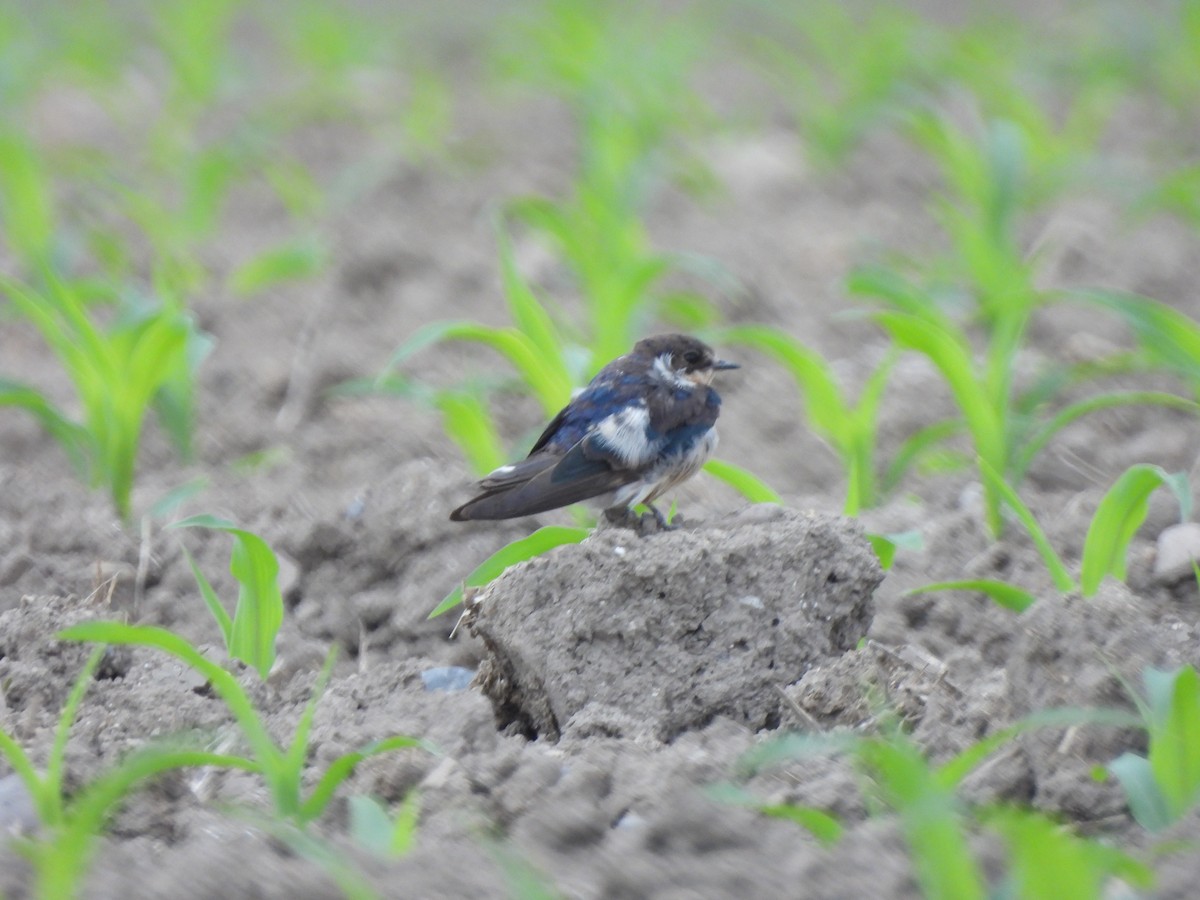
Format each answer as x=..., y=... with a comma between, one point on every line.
x=613, y=690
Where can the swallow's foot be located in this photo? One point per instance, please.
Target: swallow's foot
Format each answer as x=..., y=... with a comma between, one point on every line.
x=622, y=517
x=659, y=519
x=644, y=524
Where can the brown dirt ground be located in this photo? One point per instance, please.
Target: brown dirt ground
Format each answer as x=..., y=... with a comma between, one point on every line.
x=611, y=809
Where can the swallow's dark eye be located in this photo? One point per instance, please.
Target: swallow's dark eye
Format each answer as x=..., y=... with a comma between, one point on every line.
x=692, y=357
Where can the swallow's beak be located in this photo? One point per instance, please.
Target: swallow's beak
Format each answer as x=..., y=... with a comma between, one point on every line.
x=725, y=364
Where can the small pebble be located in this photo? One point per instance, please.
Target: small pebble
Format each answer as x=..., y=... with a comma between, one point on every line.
x=1178, y=546
x=630, y=820
x=447, y=678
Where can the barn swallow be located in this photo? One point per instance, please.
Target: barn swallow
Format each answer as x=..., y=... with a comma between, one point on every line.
x=644, y=424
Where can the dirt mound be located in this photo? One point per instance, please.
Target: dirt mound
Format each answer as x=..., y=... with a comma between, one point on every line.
x=655, y=636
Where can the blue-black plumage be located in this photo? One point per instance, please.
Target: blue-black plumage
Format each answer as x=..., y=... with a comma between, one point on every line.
x=645, y=423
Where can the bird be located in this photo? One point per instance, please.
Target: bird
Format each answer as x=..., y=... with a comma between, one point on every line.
x=644, y=424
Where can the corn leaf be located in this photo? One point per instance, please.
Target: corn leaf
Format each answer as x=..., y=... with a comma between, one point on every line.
x=468, y=423
x=930, y=819
x=949, y=351
x=343, y=767
x=224, y=622
x=259, y=610
x=1146, y=801
x=820, y=824
x=528, y=314
x=1058, y=571
x=1174, y=737
x=1064, y=417
x=293, y=260
x=886, y=545
x=827, y=411
x=26, y=201
x=744, y=482
x=1166, y=334
x=536, y=544
x=544, y=379
x=1039, y=846
x=72, y=437
x=1001, y=592
x=266, y=753
x=1118, y=517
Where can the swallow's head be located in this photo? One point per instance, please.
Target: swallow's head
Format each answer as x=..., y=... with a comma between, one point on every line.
x=682, y=358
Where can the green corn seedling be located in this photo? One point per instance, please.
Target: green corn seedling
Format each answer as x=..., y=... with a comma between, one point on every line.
x=250, y=633
x=623, y=73
x=62, y=852
x=382, y=834
x=1007, y=428
x=935, y=822
x=117, y=371
x=846, y=70
x=281, y=767
x=848, y=428
x=1121, y=512
x=1165, y=784
x=1049, y=862
x=1167, y=338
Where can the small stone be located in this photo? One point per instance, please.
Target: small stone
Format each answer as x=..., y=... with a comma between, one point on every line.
x=1178, y=548
x=447, y=678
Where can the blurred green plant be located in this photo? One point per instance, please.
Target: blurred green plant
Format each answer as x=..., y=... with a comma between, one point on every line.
x=118, y=370
x=62, y=852
x=1167, y=338
x=850, y=429
x=745, y=482
x=1048, y=861
x=251, y=632
x=1177, y=192
x=27, y=208
x=383, y=834
x=623, y=70
x=989, y=182
x=281, y=767
x=533, y=344
x=1116, y=520
x=1163, y=785
x=1007, y=427
x=1002, y=593
x=886, y=546
x=936, y=824
x=846, y=68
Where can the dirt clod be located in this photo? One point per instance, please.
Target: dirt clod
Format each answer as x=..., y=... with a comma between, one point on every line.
x=675, y=629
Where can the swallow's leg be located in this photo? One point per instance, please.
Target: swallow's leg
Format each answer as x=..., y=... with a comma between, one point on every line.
x=660, y=519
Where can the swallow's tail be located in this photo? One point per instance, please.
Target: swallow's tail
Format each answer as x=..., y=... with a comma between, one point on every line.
x=501, y=482
x=555, y=483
